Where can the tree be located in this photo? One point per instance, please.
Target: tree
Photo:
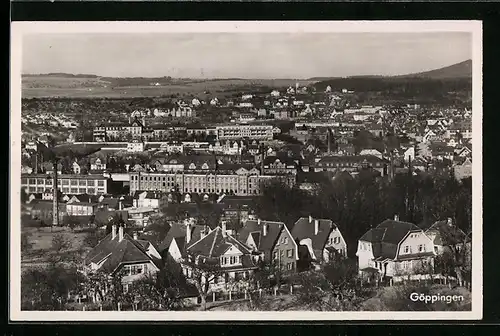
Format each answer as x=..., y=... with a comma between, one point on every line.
x=26, y=244
x=335, y=287
x=48, y=288
x=202, y=275
x=93, y=237
x=163, y=290
x=268, y=274
x=60, y=243
x=24, y=196
x=455, y=258
x=71, y=222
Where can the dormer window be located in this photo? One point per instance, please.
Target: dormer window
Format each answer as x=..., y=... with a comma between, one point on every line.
x=192, y=166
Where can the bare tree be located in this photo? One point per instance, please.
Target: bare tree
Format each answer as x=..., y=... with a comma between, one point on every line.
x=335, y=287
x=202, y=276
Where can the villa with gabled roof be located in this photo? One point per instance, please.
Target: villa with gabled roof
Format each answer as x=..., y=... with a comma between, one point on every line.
x=394, y=249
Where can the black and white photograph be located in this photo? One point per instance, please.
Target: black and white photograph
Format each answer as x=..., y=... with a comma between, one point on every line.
x=246, y=170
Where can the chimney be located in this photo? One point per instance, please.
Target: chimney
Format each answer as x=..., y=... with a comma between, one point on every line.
x=310, y=219
x=264, y=230
x=136, y=236
x=449, y=221
x=316, y=226
x=113, y=231
x=224, y=228
x=258, y=221
x=396, y=218
x=120, y=233
x=120, y=205
x=188, y=232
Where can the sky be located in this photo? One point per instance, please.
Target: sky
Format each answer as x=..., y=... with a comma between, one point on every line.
x=243, y=55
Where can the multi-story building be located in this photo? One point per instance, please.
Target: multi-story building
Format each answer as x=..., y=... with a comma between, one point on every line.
x=229, y=132
x=274, y=165
x=352, y=163
x=231, y=180
x=67, y=184
x=119, y=131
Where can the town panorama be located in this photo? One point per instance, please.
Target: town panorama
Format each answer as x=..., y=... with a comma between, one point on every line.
x=325, y=194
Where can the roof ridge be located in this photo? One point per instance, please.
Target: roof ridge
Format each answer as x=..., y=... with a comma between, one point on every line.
x=383, y=235
x=213, y=242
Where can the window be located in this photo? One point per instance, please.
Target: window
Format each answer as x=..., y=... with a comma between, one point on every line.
x=421, y=248
x=100, y=183
x=289, y=266
x=74, y=190
x=406, y=249
x=73, y=182
x=285, y=240
x=136, y=269
x=282, y=253
x=275, y=255
x=289, y=253
x=336, y=240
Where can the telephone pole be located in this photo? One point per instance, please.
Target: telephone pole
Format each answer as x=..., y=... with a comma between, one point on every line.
x=55, y=202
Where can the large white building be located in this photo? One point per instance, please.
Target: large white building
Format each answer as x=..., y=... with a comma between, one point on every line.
x=229, y=132
x=241, y=182
x=67, y=184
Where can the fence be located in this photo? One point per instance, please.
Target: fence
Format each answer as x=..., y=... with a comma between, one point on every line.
x=224, y=296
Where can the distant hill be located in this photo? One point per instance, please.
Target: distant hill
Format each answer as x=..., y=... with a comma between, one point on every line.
x=449, y=85
x=61, y=75
x=459, y=70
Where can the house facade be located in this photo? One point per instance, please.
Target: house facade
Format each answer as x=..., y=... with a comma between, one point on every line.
x=273, y=240
x=223, y=262
x=120, y=254
x=81, y=208
x=395, y=249
x=321, y=237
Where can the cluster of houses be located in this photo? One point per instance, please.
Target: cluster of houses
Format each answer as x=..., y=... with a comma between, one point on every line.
x=50, y=119
x=225, y=172
x=228, y=257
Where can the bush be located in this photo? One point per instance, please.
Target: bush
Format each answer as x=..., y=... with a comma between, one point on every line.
x=60, y=243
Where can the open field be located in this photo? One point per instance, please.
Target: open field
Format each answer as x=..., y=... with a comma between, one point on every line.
x=50, y=86
x=41, y=249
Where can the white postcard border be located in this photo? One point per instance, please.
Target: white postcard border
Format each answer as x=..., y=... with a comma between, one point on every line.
x=19, y=29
